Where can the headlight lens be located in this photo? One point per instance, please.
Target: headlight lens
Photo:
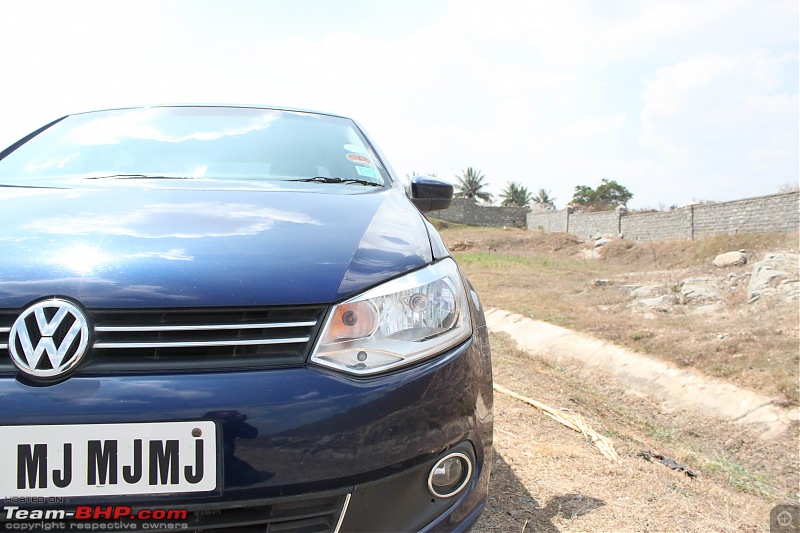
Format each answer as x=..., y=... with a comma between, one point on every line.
x=398, y=323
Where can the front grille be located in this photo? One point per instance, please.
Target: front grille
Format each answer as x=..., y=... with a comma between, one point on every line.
x=193, y=339
x=7, y=319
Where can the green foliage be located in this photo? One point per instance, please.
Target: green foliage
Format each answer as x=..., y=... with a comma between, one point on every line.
x=471, y=185
x=544, y=200
x=515, y=195
x=608, y=195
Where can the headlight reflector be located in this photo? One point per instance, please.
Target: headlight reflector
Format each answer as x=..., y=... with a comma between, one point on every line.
x=398, y=323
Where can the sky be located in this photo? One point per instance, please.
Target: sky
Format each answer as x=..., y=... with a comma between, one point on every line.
x=679, y=101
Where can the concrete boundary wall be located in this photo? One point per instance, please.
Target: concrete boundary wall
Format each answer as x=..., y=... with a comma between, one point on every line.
x=773, y=213
x=466, y=211
x=666, y=225
x=594, y=224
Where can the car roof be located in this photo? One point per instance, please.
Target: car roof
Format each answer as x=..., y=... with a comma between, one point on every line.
x=243, y=106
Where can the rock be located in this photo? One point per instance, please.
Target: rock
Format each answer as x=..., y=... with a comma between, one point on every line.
x=659, y=303
x=776, y=277
x=789, y=290
x=699, y=289
x=628, y=288
x=730, y=259
x=594, y=253
x=602, y=241
x=648, y=291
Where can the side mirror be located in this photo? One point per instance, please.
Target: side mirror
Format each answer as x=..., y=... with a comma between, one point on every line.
x=431, y=194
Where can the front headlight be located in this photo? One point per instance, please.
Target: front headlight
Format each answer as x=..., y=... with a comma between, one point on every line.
x=398, y=323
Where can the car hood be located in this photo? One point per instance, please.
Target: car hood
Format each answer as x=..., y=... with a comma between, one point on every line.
x=139, y=248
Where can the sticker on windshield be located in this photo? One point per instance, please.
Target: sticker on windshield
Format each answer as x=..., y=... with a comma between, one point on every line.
x=358, y=158
x=354, y=148
x=367, y=172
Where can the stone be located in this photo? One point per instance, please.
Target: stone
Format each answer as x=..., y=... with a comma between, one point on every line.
x=730, y=259
x=776, y=277
x=628, y=288
x=594, y=253
x=660, y=303
x=789, y=290
x=648, y=291
x=699, y=289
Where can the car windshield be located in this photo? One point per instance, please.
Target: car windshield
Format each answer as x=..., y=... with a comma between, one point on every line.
x=208, y=143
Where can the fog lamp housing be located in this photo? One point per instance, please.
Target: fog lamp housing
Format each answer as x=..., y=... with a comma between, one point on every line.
x=450, y=475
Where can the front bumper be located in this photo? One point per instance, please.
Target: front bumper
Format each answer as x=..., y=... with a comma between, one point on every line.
x=298, y=435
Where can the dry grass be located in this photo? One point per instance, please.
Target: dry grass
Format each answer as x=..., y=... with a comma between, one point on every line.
x=536, y=274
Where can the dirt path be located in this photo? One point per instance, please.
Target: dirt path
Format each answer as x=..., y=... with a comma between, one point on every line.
x=677, y=388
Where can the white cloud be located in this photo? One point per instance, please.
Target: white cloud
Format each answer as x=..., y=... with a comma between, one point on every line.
x=594, y=125
x=721, y=126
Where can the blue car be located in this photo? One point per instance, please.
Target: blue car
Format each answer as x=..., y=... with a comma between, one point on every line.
x=233, y=318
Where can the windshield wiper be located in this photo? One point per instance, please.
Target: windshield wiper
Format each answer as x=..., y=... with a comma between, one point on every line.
x=328, y=179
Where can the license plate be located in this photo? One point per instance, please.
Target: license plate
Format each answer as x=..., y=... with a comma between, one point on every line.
x=108, y=459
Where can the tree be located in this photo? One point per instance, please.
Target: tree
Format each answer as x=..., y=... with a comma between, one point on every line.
x=544, y=200
x=608, y=195
x=471, y=185
x=515, y=195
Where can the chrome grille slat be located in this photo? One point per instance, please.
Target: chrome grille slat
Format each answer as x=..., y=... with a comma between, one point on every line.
x=4, y=346
x=213, y=327
x=196, y=344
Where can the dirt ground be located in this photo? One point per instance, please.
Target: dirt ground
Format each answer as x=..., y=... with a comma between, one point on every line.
x=547, y=477
x=541, y=276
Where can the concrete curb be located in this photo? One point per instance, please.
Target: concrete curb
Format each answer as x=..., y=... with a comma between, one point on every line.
x=678, y=388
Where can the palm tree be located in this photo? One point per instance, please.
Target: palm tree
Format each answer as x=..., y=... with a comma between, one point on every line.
x=470, y=185
x=515, y=195
x=544, y=200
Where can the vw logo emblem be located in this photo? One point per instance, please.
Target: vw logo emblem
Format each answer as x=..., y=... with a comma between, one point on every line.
x=49, y=338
